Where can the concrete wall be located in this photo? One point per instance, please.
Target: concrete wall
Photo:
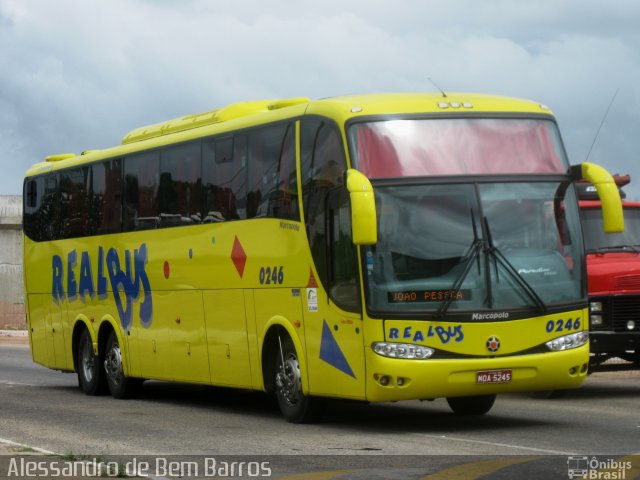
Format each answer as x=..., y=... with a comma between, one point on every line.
x=12, y=314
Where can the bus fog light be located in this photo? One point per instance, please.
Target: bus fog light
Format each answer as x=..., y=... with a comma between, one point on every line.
x=384, y=380
x=402, y=350
x=596, y=319
x=595, y=307
x=568, y=342
x=631, y=325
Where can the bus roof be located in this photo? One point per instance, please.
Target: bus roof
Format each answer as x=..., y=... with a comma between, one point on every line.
x=248, y=114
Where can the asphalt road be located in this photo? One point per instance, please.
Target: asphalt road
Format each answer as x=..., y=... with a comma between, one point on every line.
x=522, y=436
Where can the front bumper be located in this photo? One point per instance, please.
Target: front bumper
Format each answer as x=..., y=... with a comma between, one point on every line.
x=390, y=379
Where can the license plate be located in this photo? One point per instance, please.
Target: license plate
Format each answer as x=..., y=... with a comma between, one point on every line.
x=493, y=376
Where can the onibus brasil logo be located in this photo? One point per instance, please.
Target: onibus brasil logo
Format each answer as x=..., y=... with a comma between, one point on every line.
x=85, y=275
x=584, y=467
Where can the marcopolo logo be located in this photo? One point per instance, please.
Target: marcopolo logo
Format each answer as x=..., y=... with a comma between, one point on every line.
x=490, y=316
x=73, y=281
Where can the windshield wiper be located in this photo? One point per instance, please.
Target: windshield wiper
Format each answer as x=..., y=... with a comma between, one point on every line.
x=491, y=252
x=473, y=254
x=499, y=257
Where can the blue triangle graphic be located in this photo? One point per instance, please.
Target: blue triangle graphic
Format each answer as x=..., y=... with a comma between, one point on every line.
x=330, y=351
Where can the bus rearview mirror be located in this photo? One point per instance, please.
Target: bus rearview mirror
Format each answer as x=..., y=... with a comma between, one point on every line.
x=608, y=192
x=364, y=225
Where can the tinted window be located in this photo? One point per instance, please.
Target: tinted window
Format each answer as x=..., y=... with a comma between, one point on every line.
x=49, y=212
x=224, y=178
x=343, y=272
x=323, y=164
x=34, y=220
x=180, y=185
x=106, y=197
x=74, y=202
x=272, y=185
x=141, y=179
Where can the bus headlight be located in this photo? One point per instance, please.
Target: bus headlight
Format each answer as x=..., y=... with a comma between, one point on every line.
x=568, y=342
x=402, y=350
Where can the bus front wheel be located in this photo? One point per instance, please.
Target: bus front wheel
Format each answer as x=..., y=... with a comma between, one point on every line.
x=91, y=376
x=474, y=405
x=294, y=405
x=119, y=385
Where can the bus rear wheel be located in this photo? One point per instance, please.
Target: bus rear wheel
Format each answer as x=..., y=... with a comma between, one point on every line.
x=119, y=385
x=474, y=405
x=91, y=376
x=294, y=405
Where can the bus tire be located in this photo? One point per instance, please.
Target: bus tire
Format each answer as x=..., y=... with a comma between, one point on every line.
x=91, y=377
x=549, y=394
x=120, y=386
x=474, y=405
x=294, y=405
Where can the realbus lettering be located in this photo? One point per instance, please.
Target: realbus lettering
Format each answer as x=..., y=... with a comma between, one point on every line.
x=102, y=280
x=146, y=309
x=72, y=285
x=119, y=283
x=125, y=284
x=57, y=288
x=86, y=277
x=407, y=332
x=394, y=333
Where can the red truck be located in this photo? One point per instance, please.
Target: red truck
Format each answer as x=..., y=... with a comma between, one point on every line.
x=613, y=267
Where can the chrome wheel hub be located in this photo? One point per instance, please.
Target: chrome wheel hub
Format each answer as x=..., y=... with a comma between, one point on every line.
x=288, y=380
x=113, y=364
x=88, y=361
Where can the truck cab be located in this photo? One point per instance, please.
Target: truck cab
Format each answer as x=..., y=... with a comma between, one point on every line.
x=613, y=269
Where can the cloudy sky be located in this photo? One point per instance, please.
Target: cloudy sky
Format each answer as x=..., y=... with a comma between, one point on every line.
x=79, y=74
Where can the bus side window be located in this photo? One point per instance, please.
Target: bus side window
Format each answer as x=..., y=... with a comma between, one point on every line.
x=141, y=178
x=343, y=287
x=223, y=178
x=272, y=175
x=33, y=214
x=285, y=205
x=74, y=202
x=180, y=185
x=323, y=164
x=106, y=197
x=49, y=212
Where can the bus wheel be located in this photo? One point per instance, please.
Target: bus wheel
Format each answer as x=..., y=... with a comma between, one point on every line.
x=294, y=405
x=474, y=405
x=119, y=385
x=90, y=373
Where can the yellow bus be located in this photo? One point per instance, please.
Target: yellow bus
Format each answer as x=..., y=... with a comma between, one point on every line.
x=373, y=248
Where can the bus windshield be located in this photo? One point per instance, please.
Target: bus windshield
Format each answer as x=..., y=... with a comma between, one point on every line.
x=596, y=240
x=471, y=246
x=456, y=146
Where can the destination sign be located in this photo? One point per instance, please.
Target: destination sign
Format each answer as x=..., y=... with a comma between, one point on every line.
x=414, y=296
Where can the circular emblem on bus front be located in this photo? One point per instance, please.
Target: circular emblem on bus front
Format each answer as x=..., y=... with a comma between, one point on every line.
x=493, y=344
